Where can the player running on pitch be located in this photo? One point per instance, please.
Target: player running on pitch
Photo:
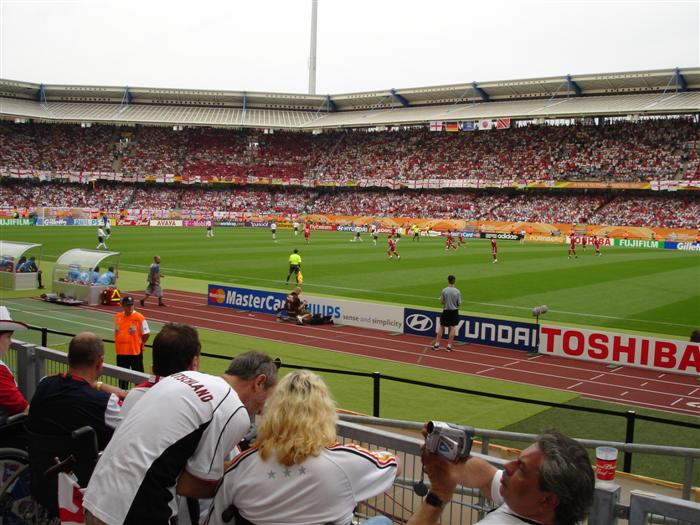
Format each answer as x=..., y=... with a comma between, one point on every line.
x=494, y=250
x=572, y=247
x=450, y=241
x=460, y=239
x=375, y=233
x=596, y=245
x=416, y=232
x=392, y=248
x=307, y=232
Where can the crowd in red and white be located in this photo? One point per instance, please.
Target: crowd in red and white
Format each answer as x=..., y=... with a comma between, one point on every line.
x=617, y=151
x=673, y=211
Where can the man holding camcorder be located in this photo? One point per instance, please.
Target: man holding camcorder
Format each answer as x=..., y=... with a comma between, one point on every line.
x=551, y=482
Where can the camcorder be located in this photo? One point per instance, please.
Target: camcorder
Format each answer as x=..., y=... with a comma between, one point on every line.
x=451, y=441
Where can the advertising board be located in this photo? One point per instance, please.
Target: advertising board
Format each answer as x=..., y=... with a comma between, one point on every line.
x=478, y=330
x=665, y=355
x=166, y=222
x=635, y=243
x=501, y=236
x=353, y=313
x=685, y=246
x=16, y=222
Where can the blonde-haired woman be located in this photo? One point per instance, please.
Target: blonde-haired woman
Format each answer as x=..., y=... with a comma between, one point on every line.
x=297, y=473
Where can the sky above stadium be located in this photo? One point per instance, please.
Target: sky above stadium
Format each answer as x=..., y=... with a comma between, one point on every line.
x=363, y=45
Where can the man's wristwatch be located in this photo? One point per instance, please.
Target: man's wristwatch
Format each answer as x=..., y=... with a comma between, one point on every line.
x=432, y=500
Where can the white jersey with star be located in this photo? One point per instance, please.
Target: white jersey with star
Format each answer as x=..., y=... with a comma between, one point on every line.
x=321, y=490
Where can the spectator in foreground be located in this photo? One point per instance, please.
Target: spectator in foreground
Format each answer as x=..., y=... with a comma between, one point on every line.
x=551, y=483
x=297, y=473
x=176, y=348
x=66, y=402
x=11, y=399
x=695, y=336
x=175, y=441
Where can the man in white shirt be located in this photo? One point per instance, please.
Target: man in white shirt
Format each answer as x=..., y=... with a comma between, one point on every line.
x=551, y=483
x=176, y=441
x=101, y=238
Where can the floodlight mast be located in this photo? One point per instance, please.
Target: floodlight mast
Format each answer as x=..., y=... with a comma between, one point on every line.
x=312, y=53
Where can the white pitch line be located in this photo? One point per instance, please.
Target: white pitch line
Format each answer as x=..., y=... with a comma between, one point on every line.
x=642, y=403
x=398, y=294
x=677, y=400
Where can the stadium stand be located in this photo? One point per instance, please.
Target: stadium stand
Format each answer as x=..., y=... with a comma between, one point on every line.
x=619, y=151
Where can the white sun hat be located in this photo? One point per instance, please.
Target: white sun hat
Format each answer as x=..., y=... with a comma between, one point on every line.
x=7, y=324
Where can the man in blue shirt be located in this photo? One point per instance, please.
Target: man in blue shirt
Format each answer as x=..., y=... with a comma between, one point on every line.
x=108, y=278
x=31, y=266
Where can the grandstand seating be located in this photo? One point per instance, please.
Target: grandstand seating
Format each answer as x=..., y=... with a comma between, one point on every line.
x=618, y=151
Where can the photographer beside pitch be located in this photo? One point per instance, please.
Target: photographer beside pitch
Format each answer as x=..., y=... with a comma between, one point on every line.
x=551, y=483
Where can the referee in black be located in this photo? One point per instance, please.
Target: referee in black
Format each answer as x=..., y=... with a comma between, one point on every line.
x=451, y=298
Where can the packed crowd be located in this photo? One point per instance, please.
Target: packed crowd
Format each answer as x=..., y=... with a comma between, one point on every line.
x=25, y=194
x=57, y=147
x=671, y=211
x=616, y=151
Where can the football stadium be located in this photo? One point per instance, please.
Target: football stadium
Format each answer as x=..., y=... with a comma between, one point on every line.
x=322, y=230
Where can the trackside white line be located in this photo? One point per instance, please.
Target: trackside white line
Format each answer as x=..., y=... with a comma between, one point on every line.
x=624, y=393
x=398, y=294
x=596, y=377
x=694, y=391
x=484, y=371
x=574, y=386
x=677, y=400
x=642, y=404
x=645, y=383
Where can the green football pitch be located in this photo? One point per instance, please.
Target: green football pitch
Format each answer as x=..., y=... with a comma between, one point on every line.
x=640, y=290
x=644, y=290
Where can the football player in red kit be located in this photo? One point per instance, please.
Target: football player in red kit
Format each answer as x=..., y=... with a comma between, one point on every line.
x=460, y=239
x=584, y=241
x=307, y=232
x=494, y=250
x=596, y=245
x=450, y=242
x=572, y=247
x=392, y=248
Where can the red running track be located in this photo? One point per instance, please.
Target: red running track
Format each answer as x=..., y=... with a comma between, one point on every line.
x=629, y=386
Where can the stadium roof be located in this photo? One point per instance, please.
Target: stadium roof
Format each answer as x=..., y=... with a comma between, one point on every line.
x=667, y=91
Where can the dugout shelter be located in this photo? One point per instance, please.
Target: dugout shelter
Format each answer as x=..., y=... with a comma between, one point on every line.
x=76, y=272
x=12, y=256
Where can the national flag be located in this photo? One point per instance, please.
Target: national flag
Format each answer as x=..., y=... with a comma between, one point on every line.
x=451, y=126
x=485, y=124
x=435, y=125
x=70, y=500
x=503, y=123
x=467, y=126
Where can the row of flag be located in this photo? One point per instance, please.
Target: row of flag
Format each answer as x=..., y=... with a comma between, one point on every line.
x=470, y=125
